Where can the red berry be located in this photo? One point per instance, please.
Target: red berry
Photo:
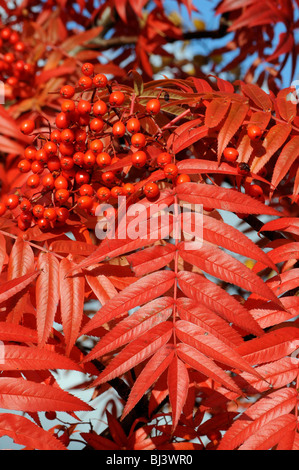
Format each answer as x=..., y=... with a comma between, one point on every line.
x=24, y=166
x=96, y=146
x=33, y=181
x=82, y=177
x=153, y=106
x=86, y=190
x=61, y=183
x=85, y=202
x=25, y=205
x=67, y=163
x=128, y=189
x=50, y=415
x=2, y=209
x=151, y=190
x=48, y=181
x=243, y=169
x=27, y=126
x=255, y=191
x=62, y=195
x=62, y=214
x=163, y=159
x=100, y=80
x=44, y=224
x=108, y=177
x=89, y=159
x=67, y=91
x=116, y=191
x=37, y=167
x=84, y=107
x=50, y=214
x=11, y=201
x=119, y=129
x=53, y=163
x=100, y=108
x=66, y=149
x=182, y=178
x=78, y=158
x=139, y=159
x=116, y=98
x=103, y=193
x=103, y=159
x=96, y=124
x=68, y=106
x=62, y=120
x=85, y=82
x=42, y=156
x=67, y=136
x=170, y=170
x=138, y=140
x=38, y=211
x=230, y=154
x=55, y=136
x=133, y=125
x=254, y=132
x=87, y=69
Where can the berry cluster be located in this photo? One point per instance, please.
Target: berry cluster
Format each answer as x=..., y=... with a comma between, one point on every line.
x=98, y=151
x=16, y=70
x=72, y=167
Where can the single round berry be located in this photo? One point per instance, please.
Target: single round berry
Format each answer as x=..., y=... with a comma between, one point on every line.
x=108, y=177
x=48, y=181
x=118, y=129
x=254, y=132
x=85, y=202
x=89, y=159
x=27, y=126
x=84, y=107
x=153, y=106
x=116, y=191
x=44, y=224
x=116, y=98
x=67, y=136
x=87, y=69
x=33, y=181
x=170, y=170
x=53, y=163
x=82, y=177
x=68, y=106
x=230, y=154
x=103, y=159
x=25, y=205
x=61, y=183
x=86, y=190
x=67, y=91
x=96, y=146
x=78, y=158
x=37, y=167
x=50, y=415
x=163, y=159
x=24, y=166
x=55, y=136
x=62, y=214
x=133, y=125
x=100, y=80
x=138, y=140
x=103, y=193
x=255, y=191
x=30, y=153
x=96, y=125
x=62, y=195
x=151, y=190
x=11, y=201
x=128, y=189
x=99, y=108
x=62, y=120
x=38, y=211
x=85, y=82
x=50, y=148
x=182, y=178
x=139, y=159
x=50, y=214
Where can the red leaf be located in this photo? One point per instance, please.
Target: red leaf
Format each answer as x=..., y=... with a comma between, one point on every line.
x=136, y=352
x=10, y=288
x=26, y=433
x=219, y=264
x=24, y=395
x=287, y=157
x=231, y=125
x=258, y=96
x=71, y=302
x=151, y=259
x=19, y=333
x=271, y=346
x=34, y=358
x=140, y=292
x=257, y=417
x=216, y=111
x=47, y=294
x=274, y=139
x=149, y=375
x=205, y=365
x=206, y=292
x=151, y=314
x=178, y=385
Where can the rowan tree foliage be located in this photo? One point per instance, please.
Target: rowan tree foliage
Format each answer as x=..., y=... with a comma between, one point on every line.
x=113, y=153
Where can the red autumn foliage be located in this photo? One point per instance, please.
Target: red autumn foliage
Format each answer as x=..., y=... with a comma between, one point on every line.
x=195, y=345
